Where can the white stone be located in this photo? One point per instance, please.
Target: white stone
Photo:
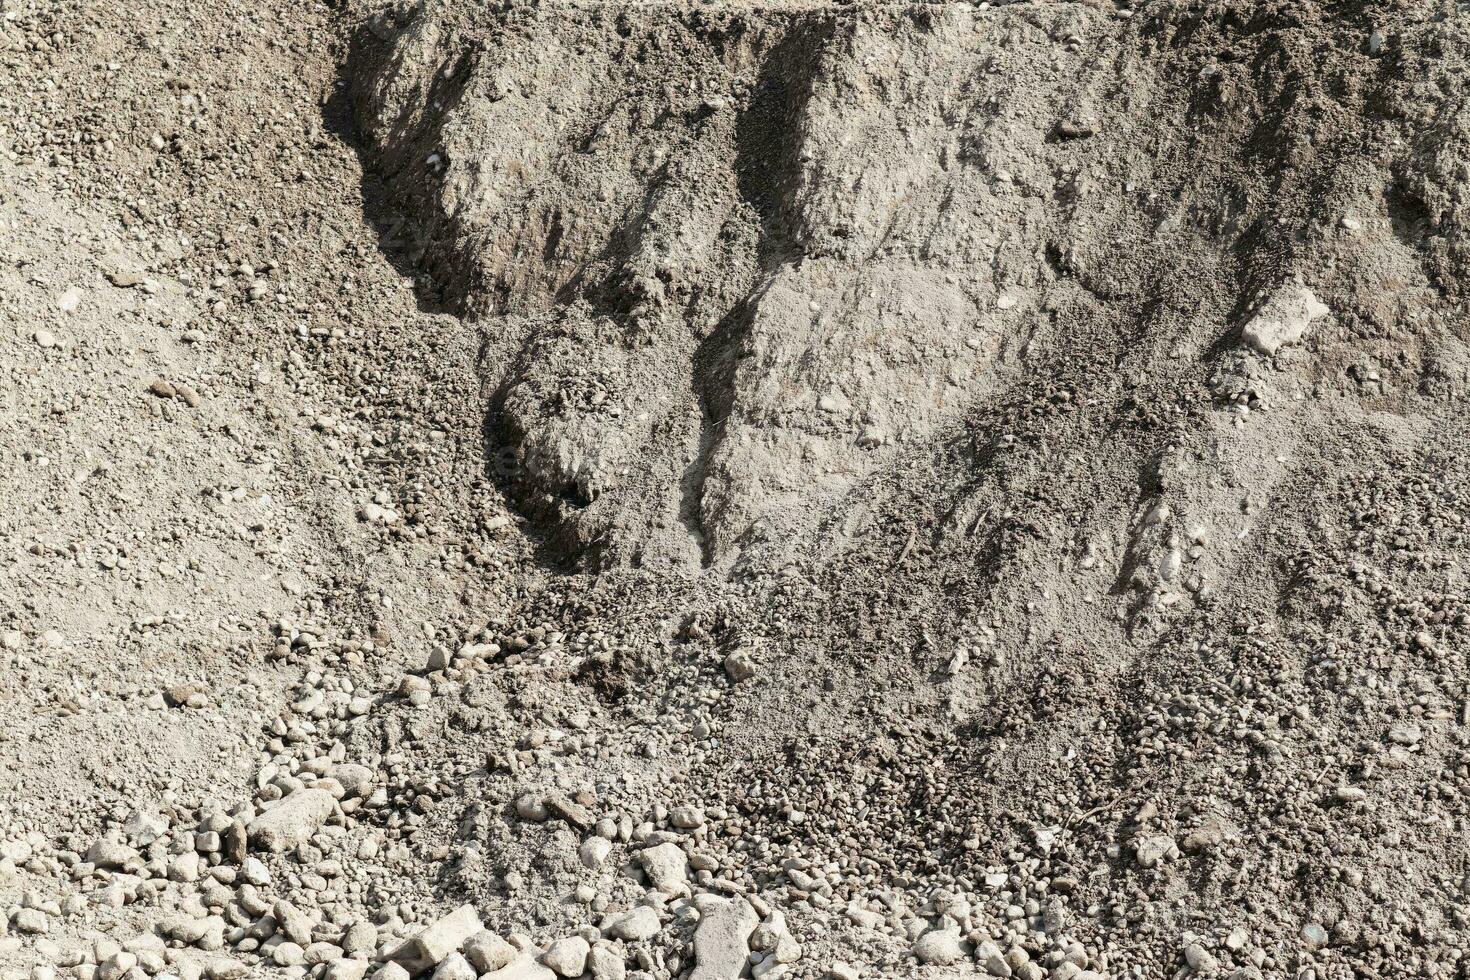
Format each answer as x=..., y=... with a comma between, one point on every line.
x=1283, y=319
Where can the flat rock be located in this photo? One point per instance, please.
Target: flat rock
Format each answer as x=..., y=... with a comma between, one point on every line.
x=524, y=967
x=722, y=940
x=634, y=925
x=292, y=821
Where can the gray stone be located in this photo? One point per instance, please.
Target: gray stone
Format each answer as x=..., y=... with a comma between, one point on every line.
x=348, y=970
x=1283, y=319
x=292, y=821
x=567, y=956
x=634, y=925
x=939, y=947
x=455, y=967
x=722, y=940
x=606, y=963
x=487, y=952
x=429, y=948
x=292, y=923
x=666, y=866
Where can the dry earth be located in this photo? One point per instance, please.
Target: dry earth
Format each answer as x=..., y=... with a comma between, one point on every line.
x=798, y=489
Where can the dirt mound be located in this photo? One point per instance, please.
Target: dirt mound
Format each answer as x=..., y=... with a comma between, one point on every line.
x=1040, y=349
x=791, y=489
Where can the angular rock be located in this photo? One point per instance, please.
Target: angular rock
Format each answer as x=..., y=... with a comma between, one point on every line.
x=568, y=956
x=430, y=947
x=292, y=923
x=569, y=810
x=354, y=779
x=524, y=967
x=634, y=925
x=347, y=970
x=455, y=967
x=110, y=854
x=722, y=940
x=360, y=937
x=666, y=865
x=606, y=963
x=292, y=821
x=487, y=952
x=1283, y=319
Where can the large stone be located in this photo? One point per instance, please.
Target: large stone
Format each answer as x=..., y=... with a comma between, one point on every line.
x=666, y=865
x=939, y=947
x=568, y=956
x=634, y=925
x=292, y=821
x=111, y=854
x=722, y=940
x=292, y=923
x=347, y=970
x=524, y=967
x=431, y=946
x=455, y=967
x=1283, y=319
x=487, y=952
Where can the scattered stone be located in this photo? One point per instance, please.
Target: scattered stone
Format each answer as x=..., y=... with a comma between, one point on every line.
x=739, y=666
x=594, y=851
x=44, y=339
x=1314, y=936
x=569, y=810
x=1154, y=850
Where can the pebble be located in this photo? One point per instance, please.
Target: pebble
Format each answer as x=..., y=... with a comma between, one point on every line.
x=44, y=338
